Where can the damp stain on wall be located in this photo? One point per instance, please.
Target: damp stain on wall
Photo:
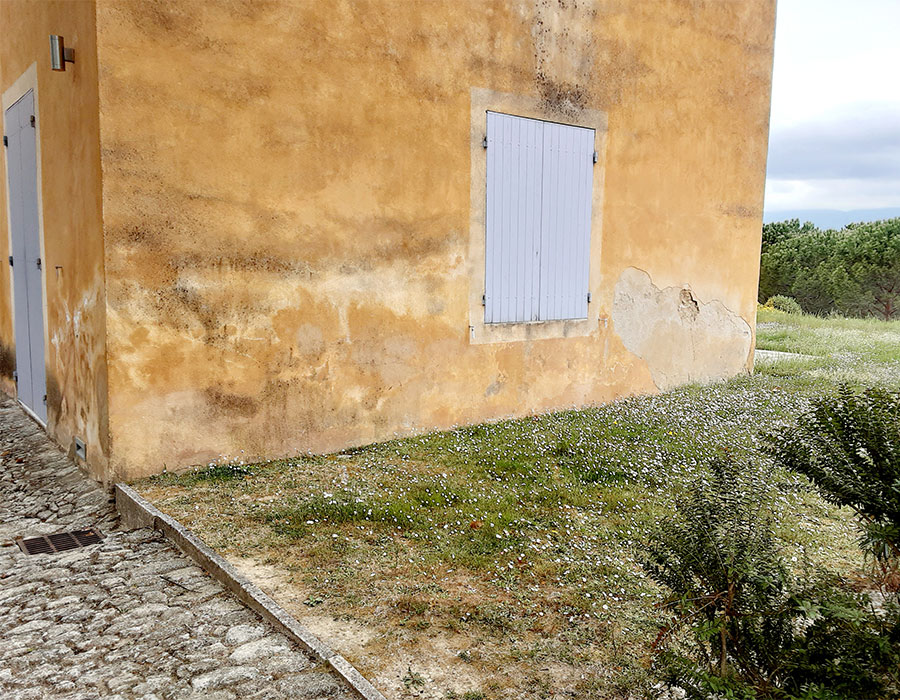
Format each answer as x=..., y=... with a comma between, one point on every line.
x=7, y=361
x=76, y=386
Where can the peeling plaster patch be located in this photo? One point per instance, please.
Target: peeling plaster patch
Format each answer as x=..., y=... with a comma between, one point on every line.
x=741, y=211
x=679, y=337
x=310, y=340
x=494, y=388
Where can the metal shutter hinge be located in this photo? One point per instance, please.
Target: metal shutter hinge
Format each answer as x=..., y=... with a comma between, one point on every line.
x=589, y=297
x=484, y=142
x=596, y=157
x=484, y=299
x=16, y=376
x=45, y=399
x=32, y=121
x=10, y=261
x=6, y=141
x=39, y=263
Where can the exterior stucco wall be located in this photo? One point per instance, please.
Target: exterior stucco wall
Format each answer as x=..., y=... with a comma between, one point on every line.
x=67, y=129
x=287, y=211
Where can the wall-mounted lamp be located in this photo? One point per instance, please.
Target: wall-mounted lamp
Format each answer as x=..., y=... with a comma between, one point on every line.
x=60, y=55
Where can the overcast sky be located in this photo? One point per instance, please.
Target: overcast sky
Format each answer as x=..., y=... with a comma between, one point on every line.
x=835, y=132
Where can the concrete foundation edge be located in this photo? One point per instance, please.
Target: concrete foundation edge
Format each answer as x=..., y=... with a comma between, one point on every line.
x=135, y=512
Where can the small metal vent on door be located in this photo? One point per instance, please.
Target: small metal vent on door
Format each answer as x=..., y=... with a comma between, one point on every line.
x=60, y=541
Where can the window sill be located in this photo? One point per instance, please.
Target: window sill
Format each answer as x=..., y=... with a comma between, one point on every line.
x=535, y=323
x=520, y=331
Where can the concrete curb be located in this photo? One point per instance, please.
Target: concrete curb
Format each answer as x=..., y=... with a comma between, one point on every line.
x=136, y=512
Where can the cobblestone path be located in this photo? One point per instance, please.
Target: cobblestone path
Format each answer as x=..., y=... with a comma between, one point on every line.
x=130, y=617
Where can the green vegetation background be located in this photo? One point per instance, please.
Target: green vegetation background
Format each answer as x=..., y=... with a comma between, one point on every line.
x=852, y=272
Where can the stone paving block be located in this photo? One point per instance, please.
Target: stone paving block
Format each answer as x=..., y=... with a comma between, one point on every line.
x=241, y=634
x=259, y=649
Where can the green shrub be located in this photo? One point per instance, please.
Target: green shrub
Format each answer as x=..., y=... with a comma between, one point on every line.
x=848, y=445
x=728, y=584
x=842, y=650
x=783, y=303
x=849, y=650
x=753, y=630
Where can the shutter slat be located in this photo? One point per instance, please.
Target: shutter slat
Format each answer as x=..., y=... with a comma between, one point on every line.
x=490, y=239
x=511, y=204
x=533, y=288
x=586, y=148
x=544, y=256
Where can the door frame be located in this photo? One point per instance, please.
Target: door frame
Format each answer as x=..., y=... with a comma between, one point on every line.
x=25, y=82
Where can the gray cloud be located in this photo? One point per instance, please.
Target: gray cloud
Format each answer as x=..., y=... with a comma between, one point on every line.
x=832, y=193
x=861, y=146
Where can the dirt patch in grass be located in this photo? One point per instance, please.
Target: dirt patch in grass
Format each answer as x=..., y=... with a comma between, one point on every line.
x=443, y=661
x=498, y=561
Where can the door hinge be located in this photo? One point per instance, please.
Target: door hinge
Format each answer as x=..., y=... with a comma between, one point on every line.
x=32, y=121
x=6, y=141
x=10, y=261
x=484, y=142
x=39, y=263
x=589, y=297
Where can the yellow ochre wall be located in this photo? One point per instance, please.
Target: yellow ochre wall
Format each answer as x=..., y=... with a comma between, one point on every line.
x=67, y=127
x=286, y=198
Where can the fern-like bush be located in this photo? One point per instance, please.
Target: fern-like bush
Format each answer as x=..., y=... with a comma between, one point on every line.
x=848, y=445
x=848, y=650
x=728, y=585
x=753, y=630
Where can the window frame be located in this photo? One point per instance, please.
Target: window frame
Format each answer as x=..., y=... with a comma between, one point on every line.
x=483, y=101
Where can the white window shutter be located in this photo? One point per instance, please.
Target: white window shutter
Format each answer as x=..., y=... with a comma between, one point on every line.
x=566, y=220
x=513, y=218
x=538, y=215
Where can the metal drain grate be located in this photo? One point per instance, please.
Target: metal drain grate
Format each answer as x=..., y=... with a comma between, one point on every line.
x=59, y=542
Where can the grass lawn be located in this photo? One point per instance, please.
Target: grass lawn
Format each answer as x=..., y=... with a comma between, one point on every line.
x=497, y=561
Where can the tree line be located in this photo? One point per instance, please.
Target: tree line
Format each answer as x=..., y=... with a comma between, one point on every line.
x=853, y=272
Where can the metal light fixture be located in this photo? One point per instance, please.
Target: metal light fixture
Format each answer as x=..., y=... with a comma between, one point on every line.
x=60, y=55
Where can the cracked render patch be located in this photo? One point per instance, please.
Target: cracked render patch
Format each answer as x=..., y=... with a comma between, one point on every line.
x=128, y=618
x=681, y=338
